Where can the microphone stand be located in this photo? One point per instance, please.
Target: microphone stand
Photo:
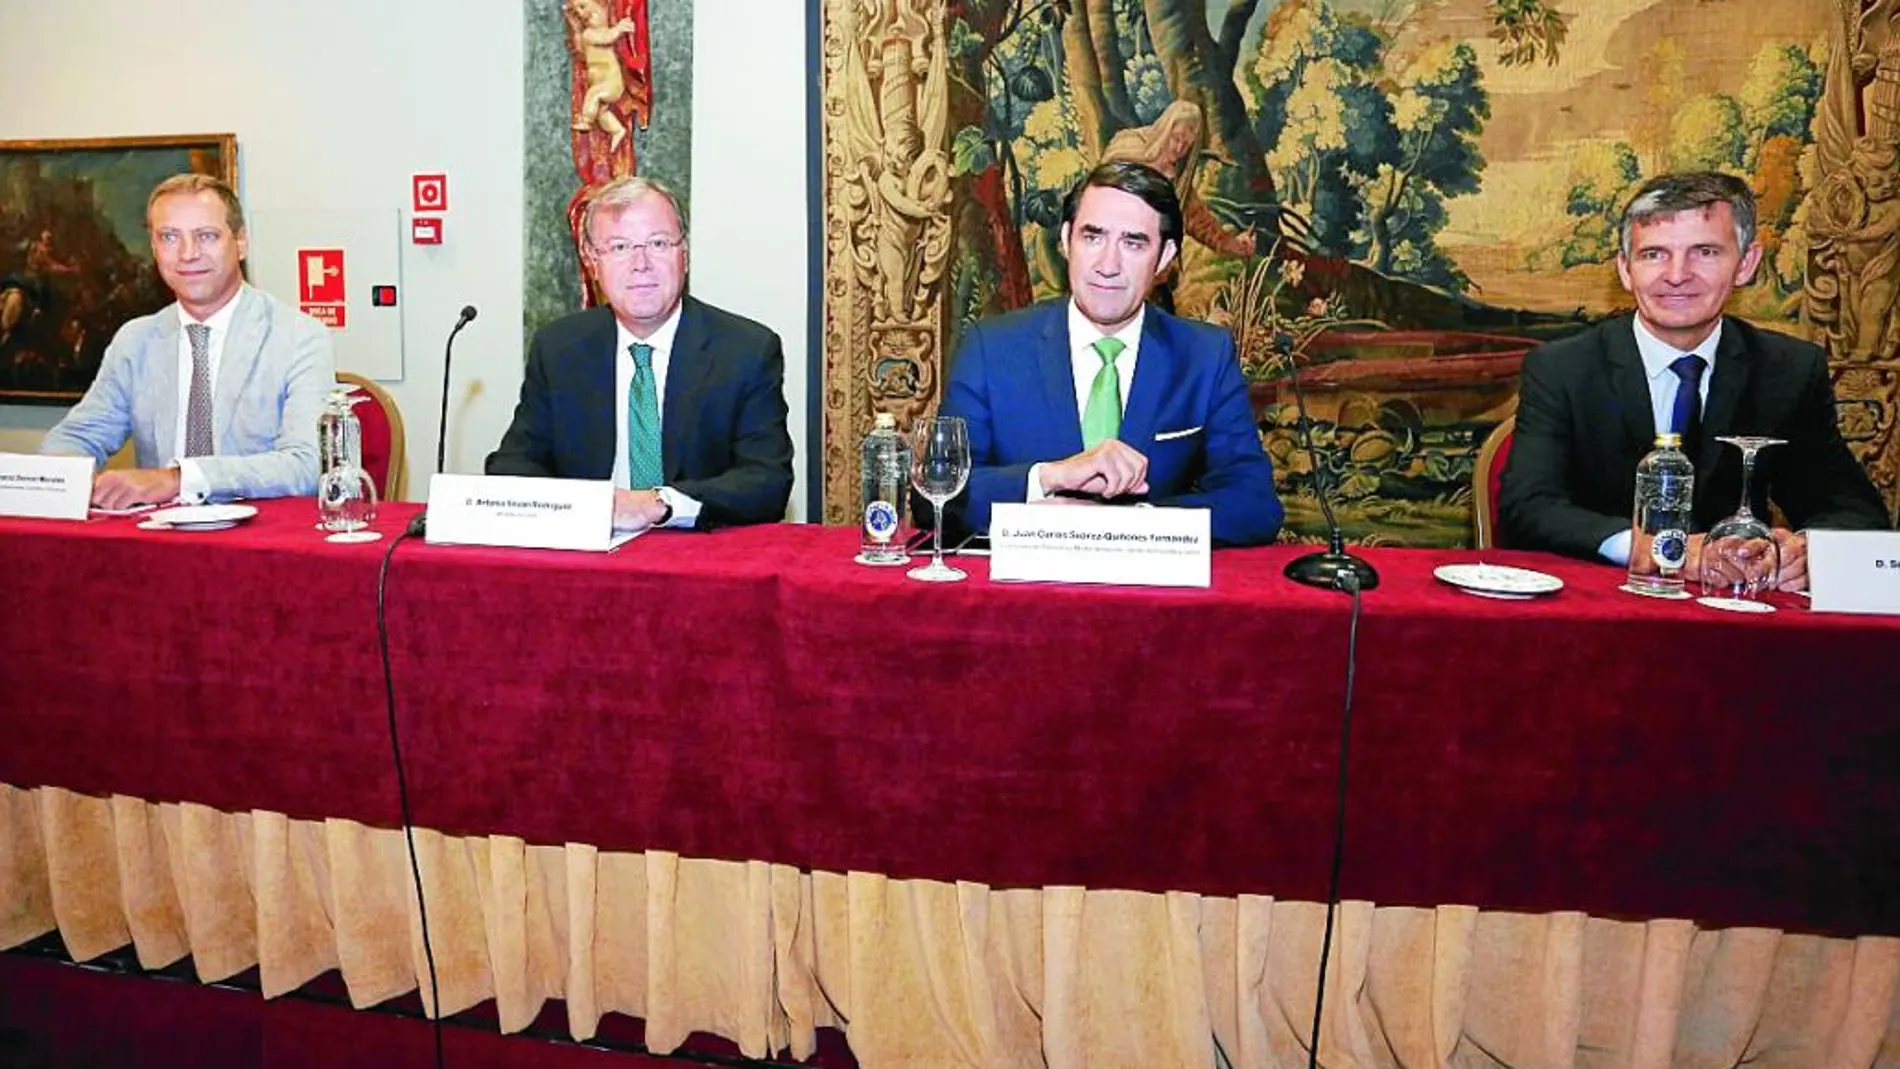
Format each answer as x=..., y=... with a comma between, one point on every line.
x=1332, y=568
x=448, y=354
x=420, y=525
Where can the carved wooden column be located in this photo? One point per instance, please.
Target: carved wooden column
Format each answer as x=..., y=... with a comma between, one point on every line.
x=1852, y=297
x=887, y=225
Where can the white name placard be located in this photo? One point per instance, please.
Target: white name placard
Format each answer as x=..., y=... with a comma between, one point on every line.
x=523, y=512
x=46, y=488
x=1854, y=571
x=1117, y=545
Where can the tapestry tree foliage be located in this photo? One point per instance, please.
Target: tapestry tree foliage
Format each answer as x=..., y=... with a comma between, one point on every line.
x=1758, y=133
x=1368, y=145
x=1321, y=113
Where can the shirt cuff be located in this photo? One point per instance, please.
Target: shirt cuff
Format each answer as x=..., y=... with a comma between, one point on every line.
x=685, y=509
x=1616, y=548
x=193, y=487
x=1033, y=492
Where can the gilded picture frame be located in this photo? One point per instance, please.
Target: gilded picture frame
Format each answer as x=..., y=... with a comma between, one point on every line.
x=75, y=262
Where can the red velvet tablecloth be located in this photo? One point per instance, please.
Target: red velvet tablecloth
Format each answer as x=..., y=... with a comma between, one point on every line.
x=755, y=694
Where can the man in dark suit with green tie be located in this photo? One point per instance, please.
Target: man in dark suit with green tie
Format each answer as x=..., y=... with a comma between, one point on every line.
x=681, y=404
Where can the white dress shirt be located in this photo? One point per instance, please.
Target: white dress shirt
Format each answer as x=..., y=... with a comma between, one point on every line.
x=685, y=509
x=1085, y=363
x=193, y=487
x=1664, y=385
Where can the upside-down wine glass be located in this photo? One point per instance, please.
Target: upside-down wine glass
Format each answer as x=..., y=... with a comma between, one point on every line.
x=1740, y=558
x=939, y=469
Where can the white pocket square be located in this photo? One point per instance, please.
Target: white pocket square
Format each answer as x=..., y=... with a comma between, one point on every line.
x=1171, y=435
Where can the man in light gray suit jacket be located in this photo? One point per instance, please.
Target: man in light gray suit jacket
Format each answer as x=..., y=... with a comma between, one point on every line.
x=220, y=392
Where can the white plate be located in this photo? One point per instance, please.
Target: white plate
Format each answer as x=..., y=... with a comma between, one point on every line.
x=1678, y=595
x=1498, y=580
x=1735, y=605
x=201, y=517
x=148, y=525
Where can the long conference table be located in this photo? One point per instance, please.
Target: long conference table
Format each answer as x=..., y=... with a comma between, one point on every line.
x=755, y=696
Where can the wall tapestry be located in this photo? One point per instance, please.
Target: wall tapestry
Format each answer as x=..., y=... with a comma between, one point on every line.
x=1392, y=199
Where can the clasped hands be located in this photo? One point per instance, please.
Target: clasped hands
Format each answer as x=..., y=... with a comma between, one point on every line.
x=1731, y=560
x=1728, y=559
x=1110, y=470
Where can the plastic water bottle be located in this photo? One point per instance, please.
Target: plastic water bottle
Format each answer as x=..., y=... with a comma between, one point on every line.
x=1659, y=525
x=886, y=502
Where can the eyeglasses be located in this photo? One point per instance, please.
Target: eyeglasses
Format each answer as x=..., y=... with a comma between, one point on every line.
x=619, y=249
x=205, y=237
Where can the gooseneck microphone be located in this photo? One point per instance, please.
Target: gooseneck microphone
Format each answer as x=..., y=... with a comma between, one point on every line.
x=448, y=356
x=420, y=524
x=1332, y=568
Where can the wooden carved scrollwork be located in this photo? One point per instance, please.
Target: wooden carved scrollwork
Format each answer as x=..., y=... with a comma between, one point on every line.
x=1853, y=226
x=887, y=224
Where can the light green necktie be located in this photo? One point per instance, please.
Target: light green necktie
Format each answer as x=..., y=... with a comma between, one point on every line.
x=643, y=423
x=1102, y=419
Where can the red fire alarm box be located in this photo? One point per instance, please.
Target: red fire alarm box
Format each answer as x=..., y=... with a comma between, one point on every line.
x=431, y=192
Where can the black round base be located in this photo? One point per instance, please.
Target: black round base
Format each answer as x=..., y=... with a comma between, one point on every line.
x=1327, y=569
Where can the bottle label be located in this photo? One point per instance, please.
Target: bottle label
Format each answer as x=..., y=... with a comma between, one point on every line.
x=1670, y=549
x=880, y=521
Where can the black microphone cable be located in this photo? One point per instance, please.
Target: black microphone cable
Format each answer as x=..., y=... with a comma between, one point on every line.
x=1349, y=582
x=402, y=786
x=1335, y=569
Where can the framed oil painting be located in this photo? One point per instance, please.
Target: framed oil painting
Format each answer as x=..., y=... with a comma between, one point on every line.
x=75, y=262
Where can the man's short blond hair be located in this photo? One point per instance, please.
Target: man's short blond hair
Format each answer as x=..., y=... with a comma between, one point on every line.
x=200, y=183
x=623, y=191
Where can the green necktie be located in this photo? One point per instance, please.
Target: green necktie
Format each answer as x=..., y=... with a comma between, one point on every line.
x=1102, y=419
x=643, y=423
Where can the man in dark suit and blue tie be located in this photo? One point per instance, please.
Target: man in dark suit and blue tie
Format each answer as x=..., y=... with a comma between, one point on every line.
x=681, y=404
x=1102, y=398
x=1590, y=405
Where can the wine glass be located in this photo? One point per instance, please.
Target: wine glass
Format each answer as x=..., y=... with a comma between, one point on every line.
x=939, y=469
x=1740, y=559
x=339, y=436
x=346, y=501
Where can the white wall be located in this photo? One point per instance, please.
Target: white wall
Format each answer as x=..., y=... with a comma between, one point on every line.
x=749, y=187
x=336, y=104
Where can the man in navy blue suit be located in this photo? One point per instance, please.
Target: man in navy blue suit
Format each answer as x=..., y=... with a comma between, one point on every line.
x=1101, y=399
x=680, y=404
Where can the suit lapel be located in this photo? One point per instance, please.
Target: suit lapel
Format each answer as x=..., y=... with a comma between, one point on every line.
x=1732, y=370
x=1057, y=371
x=1630, y=380
x=235, y=364
x=161, y=354
x=600, y=407
x=1154, y=370
x=688, y=370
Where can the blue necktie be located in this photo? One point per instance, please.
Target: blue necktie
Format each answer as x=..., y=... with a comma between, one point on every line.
x=1686, y=418
x=643, y=423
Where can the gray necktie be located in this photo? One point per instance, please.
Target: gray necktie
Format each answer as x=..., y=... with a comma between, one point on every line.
x=198, y=438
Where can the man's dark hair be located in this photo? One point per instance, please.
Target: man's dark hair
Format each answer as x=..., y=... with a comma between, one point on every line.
x=1135, y=179
x=1669, y=194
